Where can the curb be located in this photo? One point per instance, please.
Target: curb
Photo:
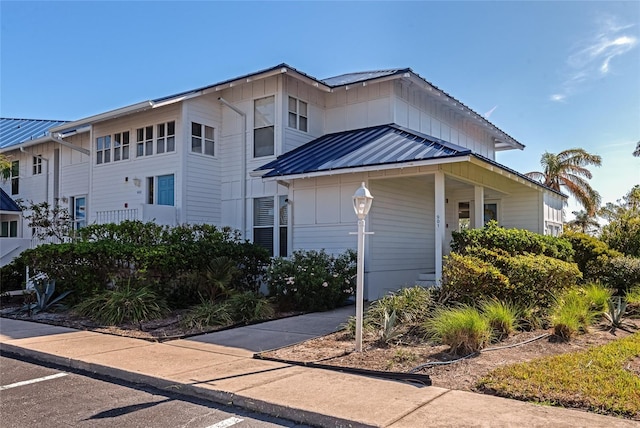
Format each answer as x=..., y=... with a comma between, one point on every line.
x=220, y=397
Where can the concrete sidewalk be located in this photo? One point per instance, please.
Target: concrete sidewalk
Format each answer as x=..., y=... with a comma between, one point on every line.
x=230, y=375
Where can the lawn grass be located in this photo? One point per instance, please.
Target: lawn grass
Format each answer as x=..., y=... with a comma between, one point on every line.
x=594, y=380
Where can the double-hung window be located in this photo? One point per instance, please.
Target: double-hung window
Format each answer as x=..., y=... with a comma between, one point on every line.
x=103, y=149
x=263, y=127
x=202, y=139
x=9, y=229
x=144, y=141
x=14, y=175
x=37, y=165
x=270, y=227
x=121, y=146
x=297, y=114
x=166, y=137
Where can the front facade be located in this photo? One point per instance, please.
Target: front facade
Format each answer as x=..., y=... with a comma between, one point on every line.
x=278, y=154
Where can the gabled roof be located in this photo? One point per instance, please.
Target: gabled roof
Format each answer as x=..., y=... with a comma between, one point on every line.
x=363, y=76
x=375, y=147
x=6, y=203
x=16, y=131
x=378, y=145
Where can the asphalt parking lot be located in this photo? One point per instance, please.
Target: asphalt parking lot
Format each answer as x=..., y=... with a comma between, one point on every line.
x=33, y=395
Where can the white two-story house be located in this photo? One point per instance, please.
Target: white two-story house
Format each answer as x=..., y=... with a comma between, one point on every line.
x=278, y=154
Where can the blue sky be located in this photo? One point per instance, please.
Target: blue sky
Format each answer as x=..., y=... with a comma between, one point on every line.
x=554, y=75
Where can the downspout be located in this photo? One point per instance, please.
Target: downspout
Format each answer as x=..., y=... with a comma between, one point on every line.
x=243, y=163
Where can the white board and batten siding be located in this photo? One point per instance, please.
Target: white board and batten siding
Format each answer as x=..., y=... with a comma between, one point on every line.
x=358, y=107
x=74, y=167
x=203, y=175
x=416, y=109
x=113, y=184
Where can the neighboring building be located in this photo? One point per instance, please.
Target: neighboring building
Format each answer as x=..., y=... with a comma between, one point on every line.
x=278, y=155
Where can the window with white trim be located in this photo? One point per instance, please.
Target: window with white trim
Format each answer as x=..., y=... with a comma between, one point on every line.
x=79, y=211
x=9, y=229
x=267, y=222
x=103, y=149
x=121, y=146
x=297, y=114
x=202, y=139
x=14, y=176
x=37, y=165
x=264, y=111
x=144, y=141
x=166, y=137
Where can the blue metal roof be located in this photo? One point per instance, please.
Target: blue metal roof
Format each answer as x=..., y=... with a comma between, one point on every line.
x=6, y=203
x=16, y=131
x=378, y=145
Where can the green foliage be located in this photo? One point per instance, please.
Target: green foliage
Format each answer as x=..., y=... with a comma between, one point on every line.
x=123, y=304
x=12, y=276
x=598, y=296
x=502, y=317
x=591, y=255
x=463, y=328
x=596, y=379
x=632, y=298
x=466, y=279
x=572, y=314
x=622, y=233
x=617, y=307
x=49, y=221
x=622, y=273
x=248, y=307
x=523, y=279
x=165, y=258
x=511, y=241
x=207, y=314
x=312, y=280
x=43, y=290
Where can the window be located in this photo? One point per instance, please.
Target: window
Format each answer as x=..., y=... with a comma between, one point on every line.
x=490, y=212
x=9, y=229
x=166, y=137
x=79, y=211
x=263, y=127
x=297, y=114
x=144, y=141
x=464, y=216
x=121, y=146
x=15, y=177
x=161, y=190
x=202, y=139
x=266, y=221
x=103, y=149
x=37, y=165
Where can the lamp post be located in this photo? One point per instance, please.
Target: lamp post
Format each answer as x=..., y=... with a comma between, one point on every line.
x=362, y=200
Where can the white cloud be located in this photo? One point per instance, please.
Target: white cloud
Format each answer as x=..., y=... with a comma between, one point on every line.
x=592, y=57
x=490, y=112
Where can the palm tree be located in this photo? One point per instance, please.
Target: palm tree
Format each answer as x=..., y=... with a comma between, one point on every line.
x=636, y=152
x=567, y=169
x=583, y=222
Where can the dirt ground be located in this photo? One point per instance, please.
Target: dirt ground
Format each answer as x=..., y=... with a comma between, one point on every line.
x=407, y=354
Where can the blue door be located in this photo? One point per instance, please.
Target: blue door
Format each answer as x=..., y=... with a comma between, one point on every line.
x=165, y=190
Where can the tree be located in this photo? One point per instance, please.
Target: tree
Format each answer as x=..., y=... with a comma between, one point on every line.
x=5, y=167
x=568, y=169
x=623, y=231
x=49, y=221
x=583, y=222
x=636, y=152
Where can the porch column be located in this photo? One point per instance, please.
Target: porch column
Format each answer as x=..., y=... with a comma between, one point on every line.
x=478, y=212
x=439, y=222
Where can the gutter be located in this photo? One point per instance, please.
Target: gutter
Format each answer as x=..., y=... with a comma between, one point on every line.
x=243, y=163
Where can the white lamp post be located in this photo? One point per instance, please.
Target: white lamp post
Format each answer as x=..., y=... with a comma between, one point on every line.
x=362, y=200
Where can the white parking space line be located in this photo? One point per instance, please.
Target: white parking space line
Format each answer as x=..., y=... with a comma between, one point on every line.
x=28, y=382
x=226, y=423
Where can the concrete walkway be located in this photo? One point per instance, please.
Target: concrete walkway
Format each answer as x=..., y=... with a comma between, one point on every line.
x=230, y=375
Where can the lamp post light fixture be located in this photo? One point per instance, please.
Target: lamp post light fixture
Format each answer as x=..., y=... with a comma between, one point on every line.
x=362, y=200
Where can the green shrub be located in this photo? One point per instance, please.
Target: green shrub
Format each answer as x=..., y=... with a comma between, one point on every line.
x=622, y=273
x=207, y=314
x=502, y=317
x=591, y=255
x=248, y=306
x=467, y=279
x=123, y=304
x=571, y=314
x=312, y=280
x=633, y=300
x=623, y=232
x=512, y=241
x=12, y=276
x=463, y=328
